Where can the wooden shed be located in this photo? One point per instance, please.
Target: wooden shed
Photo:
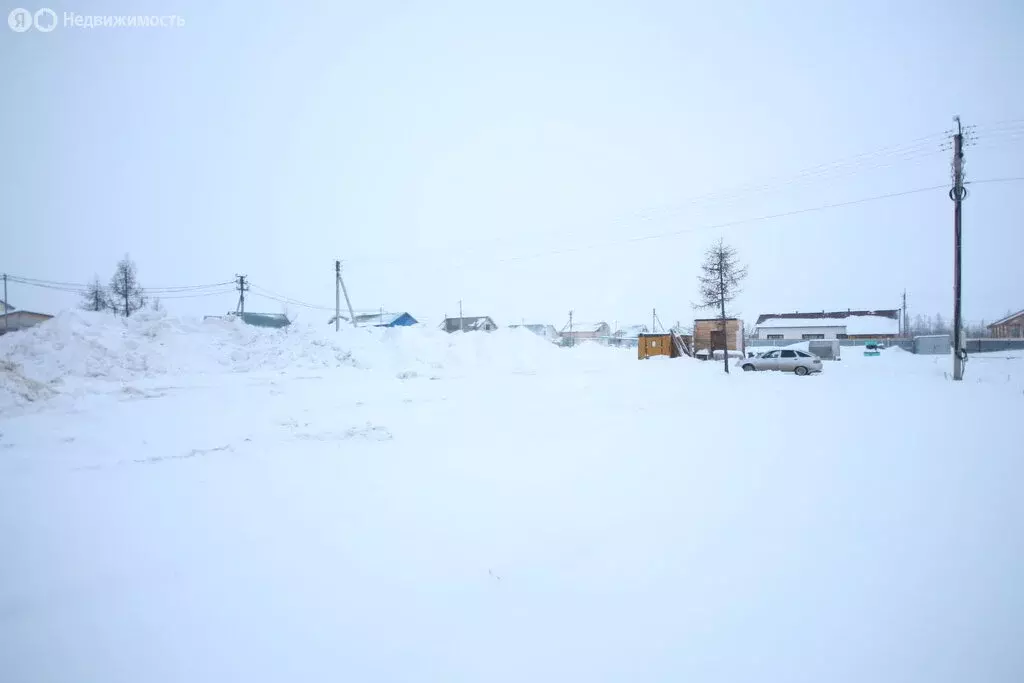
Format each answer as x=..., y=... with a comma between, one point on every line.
x=661, y=344
x=709, y=335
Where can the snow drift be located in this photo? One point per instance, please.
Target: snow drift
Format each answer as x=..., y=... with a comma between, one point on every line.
x=81, y=352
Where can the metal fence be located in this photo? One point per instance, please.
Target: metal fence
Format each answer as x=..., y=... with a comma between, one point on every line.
x=971, y=345
x=905, y=344
x=988, y=345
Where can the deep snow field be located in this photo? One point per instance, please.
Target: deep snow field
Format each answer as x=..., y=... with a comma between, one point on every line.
x=189, y=501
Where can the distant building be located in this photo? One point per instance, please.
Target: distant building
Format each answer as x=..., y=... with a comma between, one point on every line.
x=1010, y=327
x=548, y=332
x=628, y=336
x=480, y=323
x=4, y=308
x=883, y=324
x=13, y=320
x=381, y=320
x=276, y=320
x=586, y=331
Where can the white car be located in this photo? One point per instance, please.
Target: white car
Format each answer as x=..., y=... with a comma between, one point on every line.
x=787, y=360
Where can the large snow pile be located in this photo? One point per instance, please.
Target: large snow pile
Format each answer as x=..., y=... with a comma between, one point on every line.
x=78, y=353
x=78, y=346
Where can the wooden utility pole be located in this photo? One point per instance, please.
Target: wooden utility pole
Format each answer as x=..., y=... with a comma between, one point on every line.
x=7, y=308
x=348, y=303
x=905, y=328
x=242, y=289
x=725, y=324
x=957, y=193
x=462, y=322
x=337, y=296
x=572, y=339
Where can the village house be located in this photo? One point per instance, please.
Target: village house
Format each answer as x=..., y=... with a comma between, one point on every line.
x=479, y=323
x=273, y=320
x=628, y=336
x=12, y=320
x=547, y=332
x=849, y=324
x=586, y=331
x=1010, y=327
x=381, y=319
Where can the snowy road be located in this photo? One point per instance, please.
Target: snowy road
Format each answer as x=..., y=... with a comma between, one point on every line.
x=591, y=519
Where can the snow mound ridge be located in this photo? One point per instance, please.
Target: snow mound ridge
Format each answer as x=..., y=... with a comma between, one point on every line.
x=80, y=345
x=79, y=352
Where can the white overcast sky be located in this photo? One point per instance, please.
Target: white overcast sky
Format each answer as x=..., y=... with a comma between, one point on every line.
x=510, y=153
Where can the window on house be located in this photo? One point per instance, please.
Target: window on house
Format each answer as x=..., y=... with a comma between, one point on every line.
x=813, y=336
x=842, y=336
x=775, y=336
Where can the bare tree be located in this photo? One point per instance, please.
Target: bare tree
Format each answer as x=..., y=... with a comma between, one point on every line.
x=720, y=283
x=95, y=297
x=126, y=295
x=156, y=305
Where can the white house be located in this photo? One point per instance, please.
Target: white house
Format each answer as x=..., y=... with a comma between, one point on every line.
x=883, y=324
x=13, y=320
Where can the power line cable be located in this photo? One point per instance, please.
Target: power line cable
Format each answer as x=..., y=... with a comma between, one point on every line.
x=267, y=294
x=757, y=219
x=85, y=286
x=874, y=160
x=197, y=295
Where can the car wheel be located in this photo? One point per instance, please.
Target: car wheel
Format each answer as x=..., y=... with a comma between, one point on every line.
x=801, y=370
x=748, y=367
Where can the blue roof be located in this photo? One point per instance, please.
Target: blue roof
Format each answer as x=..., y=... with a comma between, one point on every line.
x=386, y=319
x=381, y=320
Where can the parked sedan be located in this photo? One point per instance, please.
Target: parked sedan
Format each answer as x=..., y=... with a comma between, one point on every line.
x=786, y=360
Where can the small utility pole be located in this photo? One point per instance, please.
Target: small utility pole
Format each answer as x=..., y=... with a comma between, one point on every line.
x=243, y=287
x=337, y=295
x=725, y=322
x=903, y=320
x=462, y=322
x=572, y=339
x=654, y=320
x=341, y=281
x=957, y=193
x=7, y=308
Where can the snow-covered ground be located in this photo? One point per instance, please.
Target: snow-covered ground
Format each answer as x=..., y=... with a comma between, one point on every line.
x=187, y=501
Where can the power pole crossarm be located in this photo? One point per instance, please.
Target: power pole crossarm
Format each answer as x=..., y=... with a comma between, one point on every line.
x=243, y=287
